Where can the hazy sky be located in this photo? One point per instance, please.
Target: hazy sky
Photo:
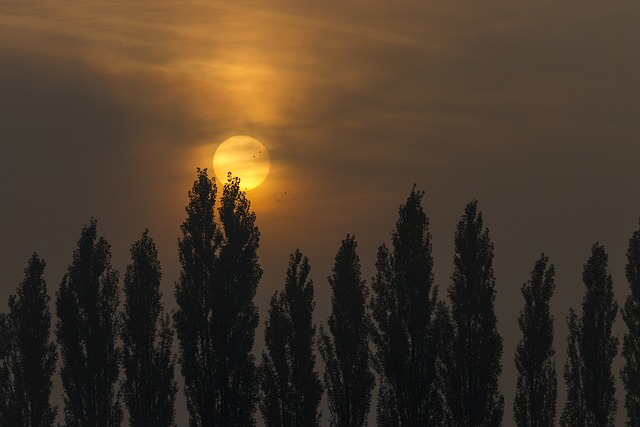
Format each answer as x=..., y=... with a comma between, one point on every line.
x=533, y=108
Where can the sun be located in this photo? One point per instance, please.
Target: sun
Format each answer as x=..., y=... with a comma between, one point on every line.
x=245, y=157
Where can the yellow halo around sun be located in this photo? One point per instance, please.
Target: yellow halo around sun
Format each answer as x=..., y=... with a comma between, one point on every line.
x=243, y=156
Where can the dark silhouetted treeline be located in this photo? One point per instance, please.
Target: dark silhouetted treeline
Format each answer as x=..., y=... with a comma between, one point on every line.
x=432, y=360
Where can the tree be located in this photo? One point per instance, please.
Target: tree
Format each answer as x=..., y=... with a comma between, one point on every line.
x=87, y=329
x=31, y=354
x=574, y=412
x=7, y=409
x=348, y=376
x=591, y=394
x=290, y=387
x=403, y=308
x=472, y=364
x=631, y=343
x=536, y=388
x=198, y=249
x=149, y=387
x=216, y=319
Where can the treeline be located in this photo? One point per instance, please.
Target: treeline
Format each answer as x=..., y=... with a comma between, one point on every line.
x=436, y=360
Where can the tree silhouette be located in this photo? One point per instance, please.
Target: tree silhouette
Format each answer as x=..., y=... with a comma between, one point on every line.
x=348, y=376
x=472, y=363
x=574, y=412
x=87, y=328
x=149, y=387
x=631, y=343
x=591, y=393
x=536, y=388
x=404, y=335
x=27, y=355
x=7, y=357
x=290, y=387
x=216, y=318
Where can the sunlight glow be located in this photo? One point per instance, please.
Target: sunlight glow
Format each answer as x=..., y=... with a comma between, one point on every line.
x=245, y=157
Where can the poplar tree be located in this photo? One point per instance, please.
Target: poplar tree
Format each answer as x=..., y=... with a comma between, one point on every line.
x=7, y=413
x=574, y=412
x=403, y=309
x=631, y=343
x=290, y=388
x=536, y=387
x=348, y=374
x=591, y=394
x=149, y=387
x=87, y=329
x=471, y=366
x=216, y=319
x=28, y=357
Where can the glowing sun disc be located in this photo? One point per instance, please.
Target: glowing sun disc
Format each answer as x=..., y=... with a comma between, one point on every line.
x=243, y=156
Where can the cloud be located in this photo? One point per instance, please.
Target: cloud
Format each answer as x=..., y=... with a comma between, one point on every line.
x=108, y=107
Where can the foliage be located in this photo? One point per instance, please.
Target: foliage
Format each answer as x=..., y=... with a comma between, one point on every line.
x=631, y=343
x=216, y=319
x=27, y=355
x=348, y=375
x=87, y=329
x=471, y=365
x=7, y=357
x=536, y=388
x=403, y=308
x=591, y=394
x=290, y=388
x=198, y=250
x=574, y=412
x=149, y=387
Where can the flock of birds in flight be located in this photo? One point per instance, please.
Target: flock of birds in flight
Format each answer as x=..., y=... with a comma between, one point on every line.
x=281, y=197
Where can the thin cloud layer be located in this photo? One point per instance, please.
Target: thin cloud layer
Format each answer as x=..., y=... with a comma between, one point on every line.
x=108, y=107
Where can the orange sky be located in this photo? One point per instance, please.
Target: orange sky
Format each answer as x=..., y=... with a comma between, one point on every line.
x=107, y=108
